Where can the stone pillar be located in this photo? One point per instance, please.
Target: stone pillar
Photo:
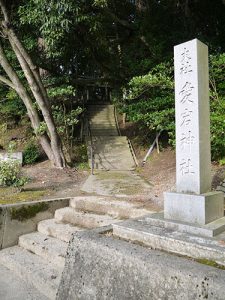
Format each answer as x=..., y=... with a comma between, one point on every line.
x=193, y=202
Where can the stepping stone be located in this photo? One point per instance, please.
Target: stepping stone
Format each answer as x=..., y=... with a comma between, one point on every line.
x=116, y=208
x=87, y=220
x=62, y=231
x=33, y=269
x=51, y=249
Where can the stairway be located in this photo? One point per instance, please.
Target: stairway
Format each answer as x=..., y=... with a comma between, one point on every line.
x=39, y=257
x=110, y=150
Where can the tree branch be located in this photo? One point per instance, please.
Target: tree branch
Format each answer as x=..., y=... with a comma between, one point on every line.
x=7, y=82
x=4, y=11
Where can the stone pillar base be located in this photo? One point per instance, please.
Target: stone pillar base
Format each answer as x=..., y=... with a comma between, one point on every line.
x=195, y=209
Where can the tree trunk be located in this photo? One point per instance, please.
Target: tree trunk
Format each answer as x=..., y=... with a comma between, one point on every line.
x=36, y=86
x=17, y=85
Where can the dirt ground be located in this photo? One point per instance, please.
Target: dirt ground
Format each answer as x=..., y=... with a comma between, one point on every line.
x=160, y=170
x=47, y=182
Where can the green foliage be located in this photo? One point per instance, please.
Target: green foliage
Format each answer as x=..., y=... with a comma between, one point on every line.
x=10, y=174
x=11, y=106
x=217, y=97
x=31, y=153
x=149, y=101
x=42, y=129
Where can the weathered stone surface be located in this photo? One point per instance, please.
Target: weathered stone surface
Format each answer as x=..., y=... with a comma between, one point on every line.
x=110, y=206
x=32, y=268
x=197, y=209
x=100, y=267
x=51, y=249
x=87, y=220
x=14, y=288
x=171, y=240
x=61, y=231
x=193, y=157
x=209, y=230
x=17, y=156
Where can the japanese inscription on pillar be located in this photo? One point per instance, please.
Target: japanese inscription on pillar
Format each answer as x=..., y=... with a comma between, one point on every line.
x=191, y=88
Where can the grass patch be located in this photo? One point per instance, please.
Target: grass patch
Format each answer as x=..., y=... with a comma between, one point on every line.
x=9, y=195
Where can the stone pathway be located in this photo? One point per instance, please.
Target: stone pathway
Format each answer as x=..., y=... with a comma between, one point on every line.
x=117, y=183
x=110, y=150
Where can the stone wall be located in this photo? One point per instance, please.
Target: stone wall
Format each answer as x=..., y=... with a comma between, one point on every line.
x=18, y=219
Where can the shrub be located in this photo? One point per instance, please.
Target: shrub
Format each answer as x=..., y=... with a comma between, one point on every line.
x=31, y=153
x=10, y=174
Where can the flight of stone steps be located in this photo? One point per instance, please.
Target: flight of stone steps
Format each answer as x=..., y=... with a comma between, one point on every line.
x=39, y=257
x=110, y=150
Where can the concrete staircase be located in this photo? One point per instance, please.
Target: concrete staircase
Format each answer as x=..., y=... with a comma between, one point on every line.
x=39, y=257
x=110, y=150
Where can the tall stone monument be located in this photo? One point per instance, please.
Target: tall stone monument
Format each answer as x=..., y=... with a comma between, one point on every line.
x=193, y=201
x=193, y=221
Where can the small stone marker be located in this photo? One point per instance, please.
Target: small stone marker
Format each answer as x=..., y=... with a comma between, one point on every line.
x=193, y=201
x=4, y=156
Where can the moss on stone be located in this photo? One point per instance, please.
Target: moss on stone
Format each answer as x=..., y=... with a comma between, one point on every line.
x=111, y=175
x=27, y=211
x=210, y=263
x=9, y=195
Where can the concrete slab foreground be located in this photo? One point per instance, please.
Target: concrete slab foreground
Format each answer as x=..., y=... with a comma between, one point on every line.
x=14, y=288
x=99, y=266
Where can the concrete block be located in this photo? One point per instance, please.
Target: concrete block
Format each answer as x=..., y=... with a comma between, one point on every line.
x=103, y=267
x=196, y=209
x=17, y=156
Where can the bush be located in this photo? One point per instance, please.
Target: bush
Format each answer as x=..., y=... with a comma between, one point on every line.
x=10, y=174
x=31, y=153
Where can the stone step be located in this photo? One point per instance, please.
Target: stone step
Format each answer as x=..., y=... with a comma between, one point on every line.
x=117, y=208
x=196, y=246
x=108, y=143
x=116, y=167
x=99, y=133
x=104, y=131
x=104, y=111
x=86, y=220
x=61, y=231
x=110, y=139
x=43, y=275
x=116, y=154
x=51, y=249
x=98, y=106
x=13, y=287
x=103, y=127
